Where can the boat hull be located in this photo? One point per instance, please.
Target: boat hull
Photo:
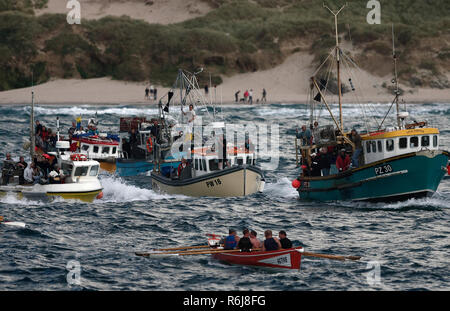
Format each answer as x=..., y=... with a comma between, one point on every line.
x=86, y=192
x=412, y=175
x=127, y=168
x=231, y=182
x=280, y=259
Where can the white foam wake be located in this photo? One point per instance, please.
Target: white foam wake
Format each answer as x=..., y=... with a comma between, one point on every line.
x=282, y=188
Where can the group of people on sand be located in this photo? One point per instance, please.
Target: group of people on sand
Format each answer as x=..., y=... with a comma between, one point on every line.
x=249, y=241
x=320, y=161
x=248, y=97
x=151, y=92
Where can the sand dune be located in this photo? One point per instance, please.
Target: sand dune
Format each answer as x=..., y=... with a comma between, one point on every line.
x=152, y=11
x=287, y=82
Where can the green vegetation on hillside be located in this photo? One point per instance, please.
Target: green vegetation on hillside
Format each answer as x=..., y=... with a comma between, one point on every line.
x=237, y=36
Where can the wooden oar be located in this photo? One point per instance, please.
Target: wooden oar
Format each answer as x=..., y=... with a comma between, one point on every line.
x=184, y=253
x=180, y=248
x=335, y=257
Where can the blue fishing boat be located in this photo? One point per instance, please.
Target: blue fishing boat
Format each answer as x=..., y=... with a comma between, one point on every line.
x=387, y=164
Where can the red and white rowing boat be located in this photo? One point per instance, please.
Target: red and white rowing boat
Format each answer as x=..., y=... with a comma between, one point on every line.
x=283, y=258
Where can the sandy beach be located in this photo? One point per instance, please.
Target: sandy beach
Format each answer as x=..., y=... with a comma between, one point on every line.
x=288, y=82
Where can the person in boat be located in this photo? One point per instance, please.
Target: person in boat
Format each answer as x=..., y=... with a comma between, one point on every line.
x=9, y=168
x=38, y=140
x=184, y=169
x=256, y=243
x=190, y=114
x=270, y=243
x=249, y=146
x=245, y=244
x=154, y=130
x=316, y=132
x=284, y=241
x=38, y=127
x=342, y=161
x=21, y=166
x=56, y=176
x=316, y=169
x=72, y=129
x=232, y=240
x=305, y=136
x=324, y=161
x=28, y=174
x=356, y=139
x=133, y=140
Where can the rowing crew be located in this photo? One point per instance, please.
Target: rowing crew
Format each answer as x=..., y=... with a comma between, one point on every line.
x=250, y=241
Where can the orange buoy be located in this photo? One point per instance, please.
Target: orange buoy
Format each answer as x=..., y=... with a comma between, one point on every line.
x=99, y=196
x=296, y=183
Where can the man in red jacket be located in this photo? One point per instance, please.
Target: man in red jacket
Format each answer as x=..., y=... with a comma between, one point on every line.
x=343, y=161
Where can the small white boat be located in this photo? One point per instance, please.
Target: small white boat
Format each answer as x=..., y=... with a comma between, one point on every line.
x=80, y=179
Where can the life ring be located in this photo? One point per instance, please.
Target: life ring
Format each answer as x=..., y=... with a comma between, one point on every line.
x=149, y=144
x=83, y=157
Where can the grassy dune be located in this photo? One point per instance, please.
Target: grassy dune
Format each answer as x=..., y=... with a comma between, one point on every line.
x=237, y=36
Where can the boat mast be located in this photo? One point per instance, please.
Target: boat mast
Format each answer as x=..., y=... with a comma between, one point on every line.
x=338, y=51
x=397, y=92
x=32, y=138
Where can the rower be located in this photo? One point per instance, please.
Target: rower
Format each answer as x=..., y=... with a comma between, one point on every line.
x=284, y=241
x=270, y=243
x=245, y=245
x=9, y=167
x=231, y=240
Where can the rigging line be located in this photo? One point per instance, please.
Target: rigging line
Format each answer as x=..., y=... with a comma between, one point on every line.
x=329, y=71
x=352, y=76
x=326, y=59
x=369, y=105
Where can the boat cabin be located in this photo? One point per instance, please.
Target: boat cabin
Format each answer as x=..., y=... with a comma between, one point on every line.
x=207, y=162
x=100, y=150
x=394, y=142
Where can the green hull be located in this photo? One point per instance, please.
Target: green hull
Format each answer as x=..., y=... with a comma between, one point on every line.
x=412, y=175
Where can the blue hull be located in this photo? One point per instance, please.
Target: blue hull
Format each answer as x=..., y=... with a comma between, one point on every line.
x=407, y=176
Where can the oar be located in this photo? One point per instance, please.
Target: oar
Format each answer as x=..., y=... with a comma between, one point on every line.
x=335, y=257
x=12, y=223
x=184, y=253
x=185, y=247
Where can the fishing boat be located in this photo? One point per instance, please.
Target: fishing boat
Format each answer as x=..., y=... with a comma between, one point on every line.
x=396, y=162
x=140, y=160
x=101, y=147
x=79, y=179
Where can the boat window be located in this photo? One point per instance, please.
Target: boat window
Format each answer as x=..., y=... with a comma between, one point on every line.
x=403, y=143
x=414, y=142
x=374, y=146
x=81, y=171
x=94, y=170
x=435, y=140
x=213, y=165
x=389, y=145
x=105, y=150
x=114, y=150
x=367, y=146
x=67, y=169
x=196, y=164
x=85, y=147
x=249, y=160
x=380, y=146
x=204, y=165
x=425, y=141
x=240, y=161
x=95, y=149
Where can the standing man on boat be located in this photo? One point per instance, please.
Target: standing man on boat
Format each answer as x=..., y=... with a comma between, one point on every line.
x=356, y=139
x=343, y=161
x=304, y=135
x=270, y=243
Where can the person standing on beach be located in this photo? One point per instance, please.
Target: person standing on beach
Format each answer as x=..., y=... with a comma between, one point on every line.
x=206, y=90
x=264, y=93
x=146, y=92
x=246, y=96
x=250, y=96
x=154, y=93
x=236, y=96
